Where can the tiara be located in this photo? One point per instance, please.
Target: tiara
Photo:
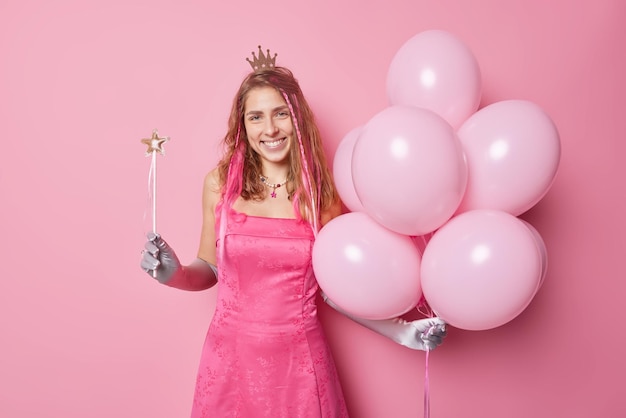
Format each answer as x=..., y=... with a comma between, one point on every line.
x=263, y=61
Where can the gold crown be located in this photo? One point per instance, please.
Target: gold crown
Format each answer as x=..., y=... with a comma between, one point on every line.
x=263, y=61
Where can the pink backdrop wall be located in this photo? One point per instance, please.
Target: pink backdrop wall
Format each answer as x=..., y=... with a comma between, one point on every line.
x=85, y=333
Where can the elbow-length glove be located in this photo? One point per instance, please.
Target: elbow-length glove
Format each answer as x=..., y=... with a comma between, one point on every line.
x=422, y=334
x=161, y=262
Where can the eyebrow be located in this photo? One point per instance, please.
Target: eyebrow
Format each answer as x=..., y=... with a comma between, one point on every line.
x=276, y=109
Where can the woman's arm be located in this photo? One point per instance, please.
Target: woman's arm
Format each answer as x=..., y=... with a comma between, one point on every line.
x=330, y=213
x=210, y=197
x=159, y=257
x=423, y=334
x=200, y=274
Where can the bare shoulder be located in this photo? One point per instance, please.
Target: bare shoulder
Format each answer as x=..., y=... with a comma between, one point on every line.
x=210, y=198
x=212, y=180
x=212, y=187
x=332, y=212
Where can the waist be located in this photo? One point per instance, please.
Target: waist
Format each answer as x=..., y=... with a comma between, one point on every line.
x=244, y=328
x=268, y=316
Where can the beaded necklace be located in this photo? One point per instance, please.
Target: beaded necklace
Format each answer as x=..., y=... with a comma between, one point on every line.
x=273, y=186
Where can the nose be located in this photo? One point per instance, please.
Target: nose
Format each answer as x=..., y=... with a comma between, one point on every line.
x=270, y=127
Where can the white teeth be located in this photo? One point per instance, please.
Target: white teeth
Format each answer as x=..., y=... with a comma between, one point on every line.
x=273, y=143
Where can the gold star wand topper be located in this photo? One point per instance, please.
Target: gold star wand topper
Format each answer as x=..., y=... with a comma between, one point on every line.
x=155, y=144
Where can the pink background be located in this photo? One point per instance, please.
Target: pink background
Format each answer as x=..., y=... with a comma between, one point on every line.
x=85, y=333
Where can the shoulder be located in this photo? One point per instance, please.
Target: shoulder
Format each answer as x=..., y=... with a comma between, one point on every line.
x=331, y=212
x=212, y=180
x=212, y=188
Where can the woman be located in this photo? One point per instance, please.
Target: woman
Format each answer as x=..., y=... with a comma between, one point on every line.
x=265, y=353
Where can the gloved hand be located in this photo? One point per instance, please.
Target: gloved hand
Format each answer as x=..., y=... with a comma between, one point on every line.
x=422, y=334
x=159, y=259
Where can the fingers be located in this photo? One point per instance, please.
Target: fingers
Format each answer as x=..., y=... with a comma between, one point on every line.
x=159, y=243
x=152, y=236
x=150, y=255
x=434, y=335
x=432, y=339
x=440, y=330
x=437, y=331
x=432, y=342
x=151, y=248
x=149, y=261
x=436, y=326
x=436, y=321
x=426, y=324
x=158, y=258
x=430, y=345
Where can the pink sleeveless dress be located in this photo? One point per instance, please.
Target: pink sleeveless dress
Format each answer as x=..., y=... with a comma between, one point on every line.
x=265, y=353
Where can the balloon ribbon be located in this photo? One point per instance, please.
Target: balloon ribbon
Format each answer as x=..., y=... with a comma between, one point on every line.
x=426, y=388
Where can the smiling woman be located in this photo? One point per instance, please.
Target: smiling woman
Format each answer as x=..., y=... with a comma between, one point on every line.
x=262, y=205
x=266, y=353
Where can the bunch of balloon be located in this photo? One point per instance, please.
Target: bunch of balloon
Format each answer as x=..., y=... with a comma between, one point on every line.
x=485, y=265
x=431, y=167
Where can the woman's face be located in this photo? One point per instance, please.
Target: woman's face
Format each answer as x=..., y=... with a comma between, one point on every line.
x=268, y=124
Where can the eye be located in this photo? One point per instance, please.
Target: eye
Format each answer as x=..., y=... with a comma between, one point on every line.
x=283, y=114
x=254, y=118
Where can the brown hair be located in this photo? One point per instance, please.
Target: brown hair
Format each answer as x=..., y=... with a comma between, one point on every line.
x=307, y=158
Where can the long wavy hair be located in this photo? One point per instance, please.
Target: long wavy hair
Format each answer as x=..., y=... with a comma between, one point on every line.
x=310, y=185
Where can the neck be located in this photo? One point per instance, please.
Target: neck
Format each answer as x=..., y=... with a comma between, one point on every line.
x=275, y=173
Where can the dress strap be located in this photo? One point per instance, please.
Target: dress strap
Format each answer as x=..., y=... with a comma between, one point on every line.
x=221, y=217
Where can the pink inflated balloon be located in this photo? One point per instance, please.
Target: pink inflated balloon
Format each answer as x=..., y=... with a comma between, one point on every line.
x=481, y=269
x=513, y=153
x=409, y=170
x=342, y=171
x=543, y=251
x=436, y=71
x=366, y=269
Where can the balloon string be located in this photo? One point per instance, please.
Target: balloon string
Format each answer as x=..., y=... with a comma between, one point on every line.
x=424, y=241
x=423, y=308
x=428, y=312
x=426, y=388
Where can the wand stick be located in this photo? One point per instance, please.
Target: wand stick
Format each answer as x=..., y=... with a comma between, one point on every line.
x=155, y=144
x=154, y=190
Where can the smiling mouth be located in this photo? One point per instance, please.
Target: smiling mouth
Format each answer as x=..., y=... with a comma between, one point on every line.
x=273, y=144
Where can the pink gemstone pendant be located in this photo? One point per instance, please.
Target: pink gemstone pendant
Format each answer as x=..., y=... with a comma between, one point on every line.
x=273, y=194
